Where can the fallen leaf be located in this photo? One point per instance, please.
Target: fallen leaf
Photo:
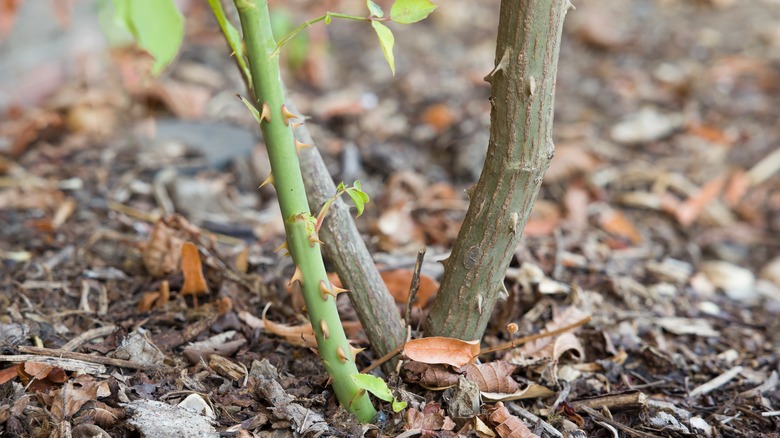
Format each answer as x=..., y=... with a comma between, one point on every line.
x=439, y=349
x=163, y=250
x=687, y=212
x=550, y=349
x=435, y=377
x=438, y=116
x=156, y=299
x=431, y=419
x=194, y=281
x=492, y=376
x=300, y=335
x=398, y=282
x=506, y=424
x=8, y=374
x=67, y=400
x=616, y=223
x=533, y=390
x=38, y=377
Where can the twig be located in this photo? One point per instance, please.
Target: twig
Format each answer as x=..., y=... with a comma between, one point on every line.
x=534, y=419
x=415, y=286
x=390, y=354
x=633, y=399
x=88, y=335
x=625, y=429
x=526, y=339
x=66, y=364
x=716, y=382
x=57, y=353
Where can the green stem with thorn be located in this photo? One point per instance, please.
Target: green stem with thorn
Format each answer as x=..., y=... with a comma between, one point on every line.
x=319, y=295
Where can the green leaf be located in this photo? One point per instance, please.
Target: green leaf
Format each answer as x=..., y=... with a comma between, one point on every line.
x=157, y=27
x=358, y=200
x=398, y=405
x=374, y=385
x=386, y=40
x=251, y=108
x=375, y=9
x=411, y=11
x=379, y=389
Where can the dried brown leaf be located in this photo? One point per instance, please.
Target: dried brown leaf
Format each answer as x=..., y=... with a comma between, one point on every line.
x=163, y=251
x=434, y=377
x=8, y=374
x=492, y=376
x=616, y=223
x=506, y=424
x=691, y=208
x=431, y=418
x=439, y=349
x=67, y=400
x=300, y=335
x=533, y=390
x=398, y=282
x=194, y=281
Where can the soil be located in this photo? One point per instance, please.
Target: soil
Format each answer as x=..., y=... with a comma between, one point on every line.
x=657, y=223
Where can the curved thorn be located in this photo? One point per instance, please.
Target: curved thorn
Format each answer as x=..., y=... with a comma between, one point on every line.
x=341, y=355
x=287, y=115
x=281, y=247
x=299, y=146
x=266, y=113
x=354, y=351
x=325, y=291
x=297, y=276
x=269, y=180
x=325, y=329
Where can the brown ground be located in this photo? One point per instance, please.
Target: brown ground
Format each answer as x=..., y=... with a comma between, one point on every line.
x=659, y=218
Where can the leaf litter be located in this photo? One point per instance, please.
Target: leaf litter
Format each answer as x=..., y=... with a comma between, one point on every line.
x=656, y=225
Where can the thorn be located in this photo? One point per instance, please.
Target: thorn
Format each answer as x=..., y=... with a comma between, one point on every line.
x=281, y=247
x=354, y=351
x=515, y=219
x=304, y=309
x=266, y=112
x=299, y=146
x=325, y=329
x=297, y=276
x=269, y=180
x=325, y=291
x=341, y=355
x=338, y=290
x=470, y=191
x=287, y=115
x=296, y=124
x=569, y=6
x=315, y=239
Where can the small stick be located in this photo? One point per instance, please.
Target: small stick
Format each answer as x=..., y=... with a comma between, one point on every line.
x=57, y=353
x=534, y=419
x=79, y=366
x=633, y=399
x=88, y=335
x=415, y=286
x=716, y=382
x=627, y=430
x=526, y=339
x=384, y=358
